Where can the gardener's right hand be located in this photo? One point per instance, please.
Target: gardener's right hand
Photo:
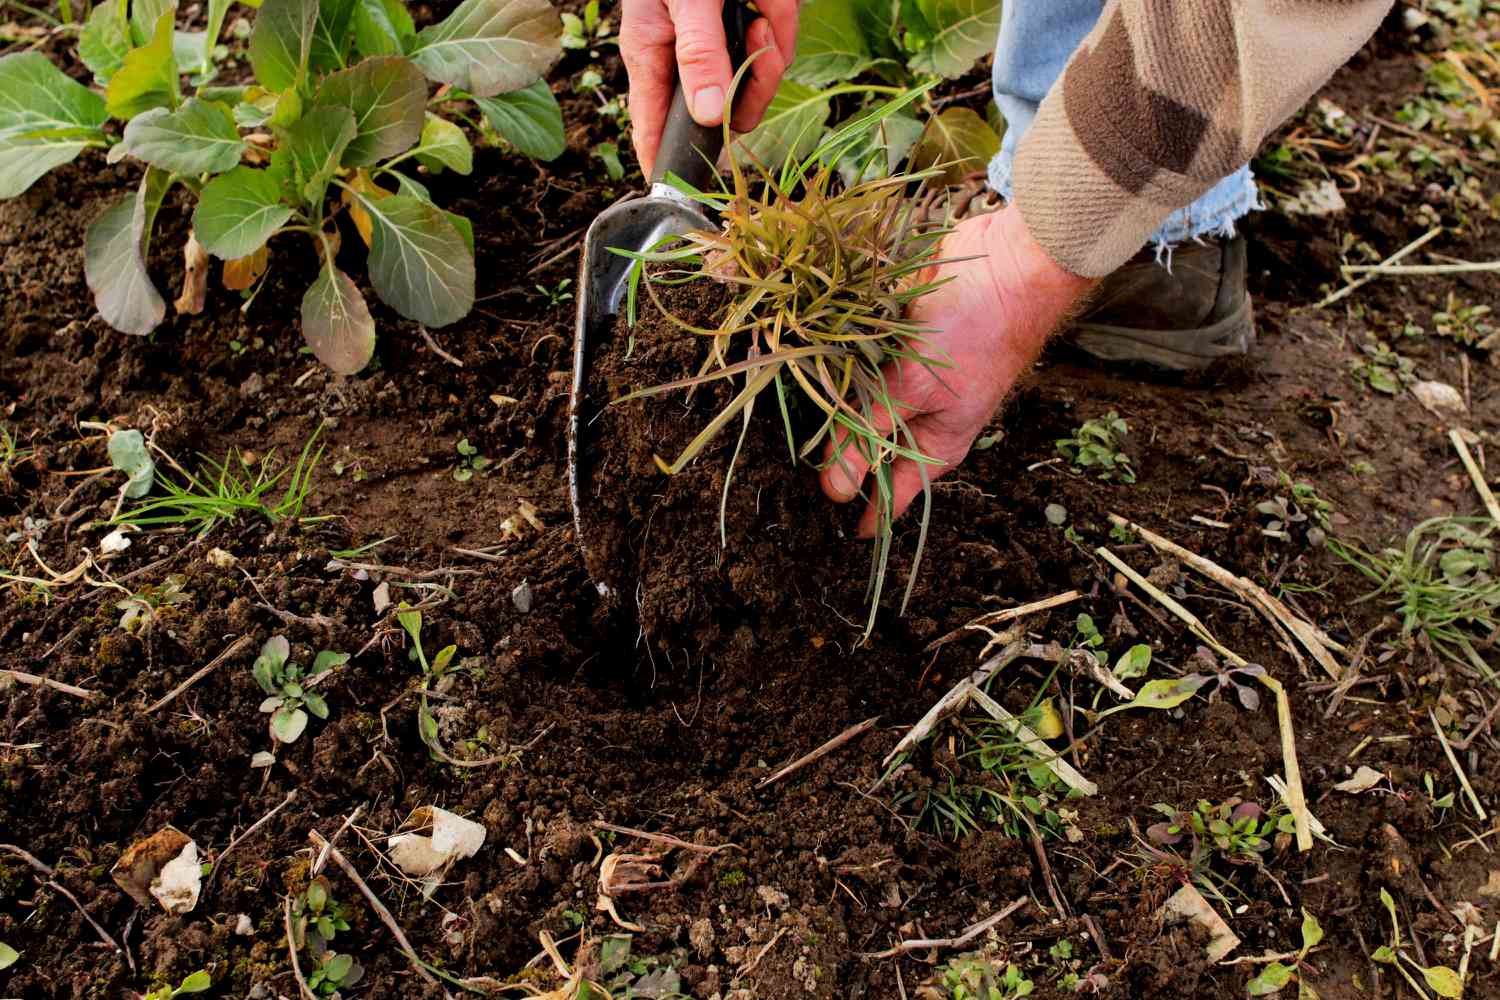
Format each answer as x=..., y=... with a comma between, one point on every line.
x=662, y=40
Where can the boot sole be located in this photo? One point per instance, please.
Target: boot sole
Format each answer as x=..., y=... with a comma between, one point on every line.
x=1174, y=350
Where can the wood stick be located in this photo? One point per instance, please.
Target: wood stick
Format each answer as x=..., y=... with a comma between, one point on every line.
x=375, y=904
x=1478, y=477
x=1463, y=779
x=1411, y=247
x=22, y=677
x=858, y=729
x=1008, y=614
x=969, y=934
x=1034, y=743
x=322, y=858
x=234, y=649
x=291, y=950
x=1312, y=638
x=662, y=838
x=213, y=872
x=954, y=699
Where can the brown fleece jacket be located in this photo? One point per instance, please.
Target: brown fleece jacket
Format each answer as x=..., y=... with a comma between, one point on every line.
x=1161, y=101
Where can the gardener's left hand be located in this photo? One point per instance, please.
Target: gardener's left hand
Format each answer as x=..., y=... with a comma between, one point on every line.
x=989, y=323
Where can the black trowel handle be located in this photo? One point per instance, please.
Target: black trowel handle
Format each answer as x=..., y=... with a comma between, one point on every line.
x=688, y=149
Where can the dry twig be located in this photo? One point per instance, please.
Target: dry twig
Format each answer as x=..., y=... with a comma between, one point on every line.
x=234, y=649
x=22, y=677
x=858, y=729
x=291, y=949
x=969, y=934
x=219, y=861
x=375, y=904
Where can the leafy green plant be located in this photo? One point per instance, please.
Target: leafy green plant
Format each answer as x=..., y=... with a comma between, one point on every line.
x=197, y=982
x=339, y=98
x=222, y=491
x=1237, y=831
x=1305, y=507
x=820, y=283
x=1097, y=446
x=1439, y=978
x=317, y=917
x=1275, y=976
x=608, y=154
x=469, y=461
x=1385, y=371
x=1441, y=583
x=129, y=454
x=588, y=31
x=1468, y=324
x=1086, y=632
x=437, y=675
x=289, y=696
x=862, y=50
x=334, y=972
x=974, y=977
x=559, y=294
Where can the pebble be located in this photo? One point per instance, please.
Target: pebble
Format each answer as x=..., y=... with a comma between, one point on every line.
x=521, y=597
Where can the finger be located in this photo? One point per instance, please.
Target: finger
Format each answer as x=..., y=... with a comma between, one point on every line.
x=906, y=484
x=646, y=44
x=765, y=76
x=702, y=58
x=782, y=14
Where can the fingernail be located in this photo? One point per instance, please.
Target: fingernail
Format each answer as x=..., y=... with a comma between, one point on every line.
x=708, y=104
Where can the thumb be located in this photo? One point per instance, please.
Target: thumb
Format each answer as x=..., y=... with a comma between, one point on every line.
x=702, y=58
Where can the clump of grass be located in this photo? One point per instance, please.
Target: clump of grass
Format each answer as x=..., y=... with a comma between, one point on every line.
x=822, y=278
x=1441, y=583
x=222, y=491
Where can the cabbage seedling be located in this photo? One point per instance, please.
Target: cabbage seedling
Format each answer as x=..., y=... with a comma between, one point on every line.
x=286, y=685
x=822, y=277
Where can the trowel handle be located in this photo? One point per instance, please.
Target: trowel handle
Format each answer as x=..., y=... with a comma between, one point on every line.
x=688, y=149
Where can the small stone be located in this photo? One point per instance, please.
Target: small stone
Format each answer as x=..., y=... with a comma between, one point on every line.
x=242, y=925
x=521, y=597
x=221, y=559
x=1439, y=397
x=253, y=386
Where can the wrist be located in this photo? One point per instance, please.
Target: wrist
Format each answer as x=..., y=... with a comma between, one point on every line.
x=1028, y=264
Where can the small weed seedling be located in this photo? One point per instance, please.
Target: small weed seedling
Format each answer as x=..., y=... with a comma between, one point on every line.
x=559, y=295
x=608, y=154
x=1087, y=632
x=287, y=687
x=1439, y=978
x=1239, y=832
x=587, y=32
x=469, y=461
x=1304, y=507
x=436, y=676
x=1386, y=371
x=1242, y=680
x=1471, y=325
x=317, y=917
x=334, y=972
x=1275, y=976
x=142, y=610
x=11, y=453
x=198, y=982
x=1098, y=446
x=977, y=978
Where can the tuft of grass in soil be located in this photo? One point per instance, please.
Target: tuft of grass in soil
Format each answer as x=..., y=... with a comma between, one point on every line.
x=222, y=491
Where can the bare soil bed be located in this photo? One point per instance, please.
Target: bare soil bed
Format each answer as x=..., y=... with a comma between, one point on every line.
x=666, y=715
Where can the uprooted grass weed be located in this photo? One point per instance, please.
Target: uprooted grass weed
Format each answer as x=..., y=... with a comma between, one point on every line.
x=823, y=276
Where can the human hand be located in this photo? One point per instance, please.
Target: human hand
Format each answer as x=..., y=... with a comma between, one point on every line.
x=661, y=40
x=989, y=323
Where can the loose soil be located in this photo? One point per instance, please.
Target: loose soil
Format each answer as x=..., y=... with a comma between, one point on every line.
x=667, y=716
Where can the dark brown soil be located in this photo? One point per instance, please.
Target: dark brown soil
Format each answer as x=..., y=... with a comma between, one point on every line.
x=753, y=658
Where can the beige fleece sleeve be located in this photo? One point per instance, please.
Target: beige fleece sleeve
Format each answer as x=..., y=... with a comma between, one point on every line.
x=1161, y=101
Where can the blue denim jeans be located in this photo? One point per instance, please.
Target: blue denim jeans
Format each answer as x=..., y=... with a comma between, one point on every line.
x=1036, y=39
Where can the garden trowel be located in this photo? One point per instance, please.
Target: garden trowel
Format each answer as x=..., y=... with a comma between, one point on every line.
x=689, y=151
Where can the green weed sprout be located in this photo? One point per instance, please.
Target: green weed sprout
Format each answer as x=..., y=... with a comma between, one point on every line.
x=976, y=978
x=333, y=972
x=1097, y=445
x=286, y=687
x=197, y=982
x=317, y=917
x=822, y=278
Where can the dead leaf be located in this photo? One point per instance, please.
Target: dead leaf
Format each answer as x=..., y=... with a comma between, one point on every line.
x=1316, y=199
x=194, y=278
x=1440, y=398
x=1363, y=780
x=427, y=855
x=242, y=272
x=1188, y=904
x=958, y=141
x=143, y=861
